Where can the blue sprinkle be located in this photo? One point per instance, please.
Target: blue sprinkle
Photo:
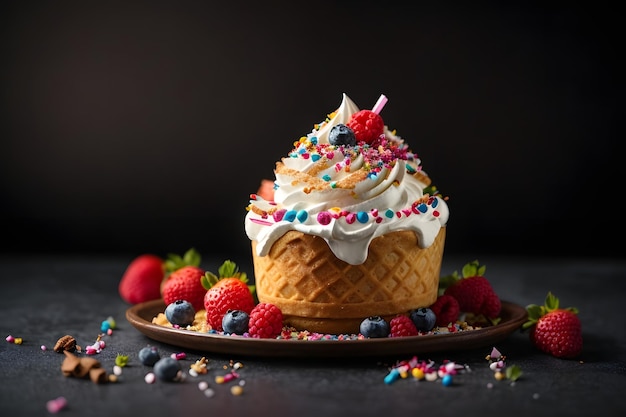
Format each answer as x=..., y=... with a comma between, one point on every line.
x=410, y=169
x=389, y=213
x=301, y=150
x=326, y=177
x=392, y=376
x=362, y=217
x=315, y=157
x=446, y=380
x=422, y=208
x=313, y=140
x=302, y=215
x=435, y=203
x=105, y=326
x=290, y=215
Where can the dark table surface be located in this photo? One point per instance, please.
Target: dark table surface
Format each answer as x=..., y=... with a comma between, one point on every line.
x=46, y=297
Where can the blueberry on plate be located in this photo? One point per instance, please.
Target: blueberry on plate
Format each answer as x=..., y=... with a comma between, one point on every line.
x=167, y=369
x=149, y=355
x=235, y=321
x=423, y=318
x=180, y=313
x=374, y=327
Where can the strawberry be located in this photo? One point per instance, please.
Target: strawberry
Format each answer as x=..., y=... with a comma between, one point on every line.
x=229, y=291
x=142, y=279
x=184, y=280
x=266, y=190
x=266, y=321
x=555, y=330
x=473, y=292
x=367, y=126
x=446, y=309
x=402, y=326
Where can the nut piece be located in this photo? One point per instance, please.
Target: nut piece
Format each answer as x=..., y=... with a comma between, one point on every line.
x=66, y=342
x=200, y=366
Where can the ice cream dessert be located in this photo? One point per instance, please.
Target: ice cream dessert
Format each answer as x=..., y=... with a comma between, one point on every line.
x=355, y=227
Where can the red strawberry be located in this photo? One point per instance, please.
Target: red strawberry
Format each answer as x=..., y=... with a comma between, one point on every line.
x=142, y=279
x=474, y=292
x=446, y=309
x=402, y=326
x=367, y=126
x=555, y=330
x=266, y=321
x=266, y=190
x=185, y=280
x=229, y=291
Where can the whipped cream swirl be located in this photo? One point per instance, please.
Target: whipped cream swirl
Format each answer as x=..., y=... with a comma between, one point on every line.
x=347, y=195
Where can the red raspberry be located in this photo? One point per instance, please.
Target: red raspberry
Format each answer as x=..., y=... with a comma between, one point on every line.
x=367, y=126
x=402, y=326
x=447, y=310
x=266, y=321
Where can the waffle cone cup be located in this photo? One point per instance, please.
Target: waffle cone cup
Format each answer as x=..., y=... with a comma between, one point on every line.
x=320, y=293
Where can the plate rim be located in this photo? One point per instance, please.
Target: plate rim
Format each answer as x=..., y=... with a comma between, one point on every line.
x=137, y=315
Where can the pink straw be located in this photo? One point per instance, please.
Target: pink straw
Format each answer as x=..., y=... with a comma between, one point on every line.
x=382, y=100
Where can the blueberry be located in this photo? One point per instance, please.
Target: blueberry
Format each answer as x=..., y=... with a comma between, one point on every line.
x=180, y=313
x=374, y=327
x=235, y=321
x=341, y=135
x=149, y=355
x=423, y=318
x=167, y=369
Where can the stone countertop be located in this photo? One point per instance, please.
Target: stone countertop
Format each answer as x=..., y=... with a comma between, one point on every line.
x=46, y=297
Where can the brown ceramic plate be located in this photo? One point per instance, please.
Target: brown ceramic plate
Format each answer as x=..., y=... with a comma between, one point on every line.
x=140, y=316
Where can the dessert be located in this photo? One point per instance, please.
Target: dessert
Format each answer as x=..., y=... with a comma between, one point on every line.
x=355, y=227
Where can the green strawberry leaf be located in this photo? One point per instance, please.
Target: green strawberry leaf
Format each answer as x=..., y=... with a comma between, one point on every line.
x=252, y=289
x=470, y=269
x=121, y=360
x=208, y=280
x=174, y=261
x=473, y=269
x=447, y=281
x=495, y=321
x=535, y=312
x=228, y=269
x=513, y=372
x=551, y=303
x=192, y=257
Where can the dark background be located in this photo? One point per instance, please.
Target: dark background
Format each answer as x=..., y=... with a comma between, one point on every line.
x=132, y=127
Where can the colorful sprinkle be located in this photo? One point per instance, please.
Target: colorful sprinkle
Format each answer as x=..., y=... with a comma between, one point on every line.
x=324, y=218
x=392, y=376
x=56, y=405
x=302, y=215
